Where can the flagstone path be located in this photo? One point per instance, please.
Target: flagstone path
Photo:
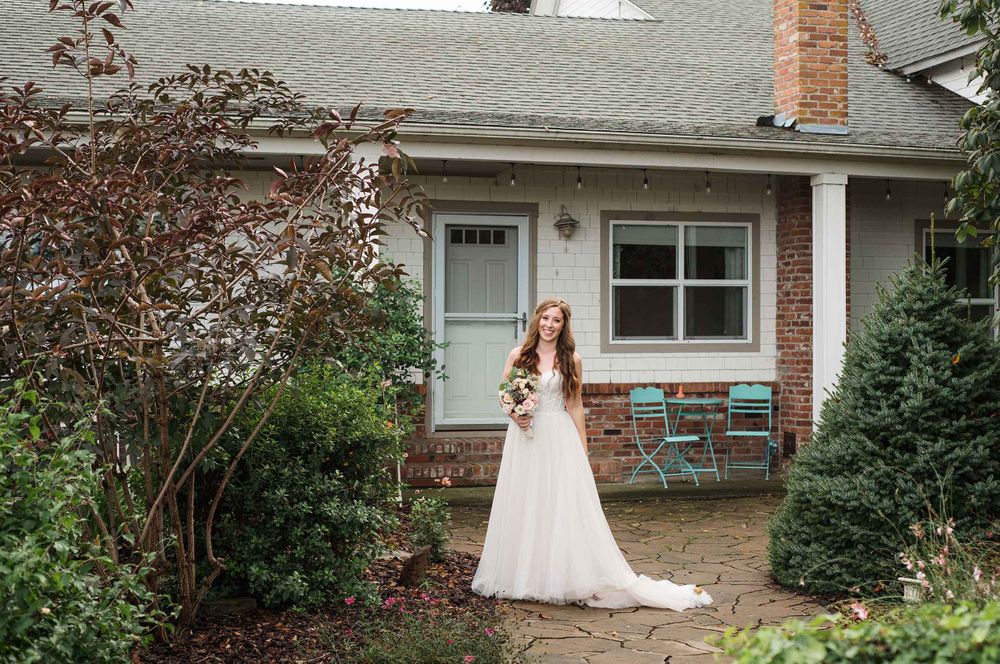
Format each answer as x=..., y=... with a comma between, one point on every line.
x=718, y=544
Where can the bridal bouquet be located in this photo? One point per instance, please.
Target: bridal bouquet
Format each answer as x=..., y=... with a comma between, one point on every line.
x=519, y=394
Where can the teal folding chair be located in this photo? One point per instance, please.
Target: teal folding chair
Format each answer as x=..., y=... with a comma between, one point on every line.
x=648, y=405
x=752, y=404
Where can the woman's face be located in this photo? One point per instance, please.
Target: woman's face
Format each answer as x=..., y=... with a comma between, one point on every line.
x=550, y=324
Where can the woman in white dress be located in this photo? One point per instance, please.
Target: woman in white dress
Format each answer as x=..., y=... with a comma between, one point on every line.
x=548, y=539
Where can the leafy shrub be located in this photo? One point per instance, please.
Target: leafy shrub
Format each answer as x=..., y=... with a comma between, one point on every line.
x=64, y=600
x=395, y=632
x=429, y=522
x=396, y=345
x=958, y=634
x=915, y=409
x=303, y=510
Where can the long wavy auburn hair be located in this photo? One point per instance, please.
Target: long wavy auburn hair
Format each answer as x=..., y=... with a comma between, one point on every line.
x=565, y=347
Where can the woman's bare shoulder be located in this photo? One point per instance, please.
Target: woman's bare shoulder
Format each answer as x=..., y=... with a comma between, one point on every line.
x=577, y=358
x=514, y=353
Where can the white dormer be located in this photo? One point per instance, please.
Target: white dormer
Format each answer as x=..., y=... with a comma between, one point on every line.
x=589, y=9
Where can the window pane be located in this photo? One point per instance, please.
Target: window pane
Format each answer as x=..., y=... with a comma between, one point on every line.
x=715, y=312
x=644, y=312
x=456, y=236
x=499, y=237
x=485, y=236
x=471, y=237
x=644, y=252
x=968, y=263
x=715, y=252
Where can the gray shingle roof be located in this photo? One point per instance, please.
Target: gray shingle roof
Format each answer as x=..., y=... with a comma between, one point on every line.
x=910, y=31
x=703, y=69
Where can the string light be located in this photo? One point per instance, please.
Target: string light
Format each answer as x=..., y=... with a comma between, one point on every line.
x=645, y=180
x=947, y=195
x=769, y=190
x=888, y=191
x=708, y=183
x=579, y=179
x=444, y=178
x=513, y=176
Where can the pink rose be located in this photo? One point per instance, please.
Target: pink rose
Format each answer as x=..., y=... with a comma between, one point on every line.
x=349, y=600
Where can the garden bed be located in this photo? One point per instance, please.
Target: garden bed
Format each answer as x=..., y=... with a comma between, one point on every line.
x=441, y=606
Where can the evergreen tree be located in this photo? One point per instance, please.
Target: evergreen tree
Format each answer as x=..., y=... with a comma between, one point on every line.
x=914, y=423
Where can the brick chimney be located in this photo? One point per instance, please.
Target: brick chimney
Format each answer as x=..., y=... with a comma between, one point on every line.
x=810, y=65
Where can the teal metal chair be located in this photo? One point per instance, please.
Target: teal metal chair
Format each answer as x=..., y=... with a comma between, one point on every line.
x=753, y=401
x=648, y=406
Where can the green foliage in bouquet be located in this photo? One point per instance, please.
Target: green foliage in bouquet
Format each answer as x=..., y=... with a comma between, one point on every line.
x=916, y=409
x=304, y=511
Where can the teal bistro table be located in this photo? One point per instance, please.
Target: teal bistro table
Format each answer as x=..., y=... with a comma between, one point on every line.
x=705, y=409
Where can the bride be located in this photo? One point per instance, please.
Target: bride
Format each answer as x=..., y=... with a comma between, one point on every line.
x=548, y=539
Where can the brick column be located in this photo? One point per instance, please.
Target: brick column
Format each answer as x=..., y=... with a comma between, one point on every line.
x=794, y=325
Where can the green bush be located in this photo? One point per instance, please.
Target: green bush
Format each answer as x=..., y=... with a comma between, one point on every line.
x=300, y=519
x=63, y=598
x=934, y=633
x=914, y=410
x=395, y=346
x=429, y=522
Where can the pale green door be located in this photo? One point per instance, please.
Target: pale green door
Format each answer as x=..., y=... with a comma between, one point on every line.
x=480, y=302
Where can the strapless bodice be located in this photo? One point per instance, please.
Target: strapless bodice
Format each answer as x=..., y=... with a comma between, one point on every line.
x=550, y=396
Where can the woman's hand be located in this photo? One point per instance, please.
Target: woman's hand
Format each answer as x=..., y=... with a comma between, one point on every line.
x=523, y=421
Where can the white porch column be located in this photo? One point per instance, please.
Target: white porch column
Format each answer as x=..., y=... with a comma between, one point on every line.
x=829, y=231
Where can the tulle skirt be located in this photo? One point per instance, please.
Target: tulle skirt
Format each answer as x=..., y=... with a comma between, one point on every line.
x=548, y=539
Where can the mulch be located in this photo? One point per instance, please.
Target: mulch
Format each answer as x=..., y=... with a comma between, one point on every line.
x=263, y=635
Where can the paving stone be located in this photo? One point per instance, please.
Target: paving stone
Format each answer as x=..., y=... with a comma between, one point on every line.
x=719, y=544
x=572, y=645
x=626, y=657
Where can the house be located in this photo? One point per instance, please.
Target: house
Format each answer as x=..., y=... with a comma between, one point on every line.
x=919, y=45
x=743, y=176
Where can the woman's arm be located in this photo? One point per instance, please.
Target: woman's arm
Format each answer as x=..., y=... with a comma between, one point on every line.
x=523, y=421
x=574, y=405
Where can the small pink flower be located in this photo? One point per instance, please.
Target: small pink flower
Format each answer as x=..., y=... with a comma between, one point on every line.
x=921, y=565
x=445, y=481
x=451, y=641
x=921, y=576
x=489, y=631
x=425, y=597
x=389, y=602
x=859, y=610
x=938, y=560
x=469, y=659
x=977, y=573
x=416, y=491
x=949, y=594
x=349, y=600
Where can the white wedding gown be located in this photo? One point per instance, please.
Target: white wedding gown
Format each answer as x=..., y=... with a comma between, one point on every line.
x=548, y=539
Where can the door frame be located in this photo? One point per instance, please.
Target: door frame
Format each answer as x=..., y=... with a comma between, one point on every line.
x=522, y=215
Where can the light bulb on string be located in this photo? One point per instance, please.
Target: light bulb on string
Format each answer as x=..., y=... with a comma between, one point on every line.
x=708, y=183
x=513, y=176
x=579, y=179
x=888, y=191
x=645, y=180
x=444, y=178
x=769, y=190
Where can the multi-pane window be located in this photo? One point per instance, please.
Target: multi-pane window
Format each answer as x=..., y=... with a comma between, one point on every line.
x=968, y=267
x=674, y=282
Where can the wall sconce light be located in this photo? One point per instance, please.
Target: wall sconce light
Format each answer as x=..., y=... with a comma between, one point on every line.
x=565, y=223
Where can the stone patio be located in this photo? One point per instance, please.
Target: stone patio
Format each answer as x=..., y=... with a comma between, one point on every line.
x=719, y=544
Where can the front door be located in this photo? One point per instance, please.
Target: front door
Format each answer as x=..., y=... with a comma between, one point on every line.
x=480, y=305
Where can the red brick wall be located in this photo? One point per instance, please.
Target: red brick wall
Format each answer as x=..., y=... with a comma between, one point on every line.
x=810, y=61
x=613, y=454
x=793, y=327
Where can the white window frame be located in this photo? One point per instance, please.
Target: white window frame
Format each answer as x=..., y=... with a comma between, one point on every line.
x=680, y=283
x=993, y=302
